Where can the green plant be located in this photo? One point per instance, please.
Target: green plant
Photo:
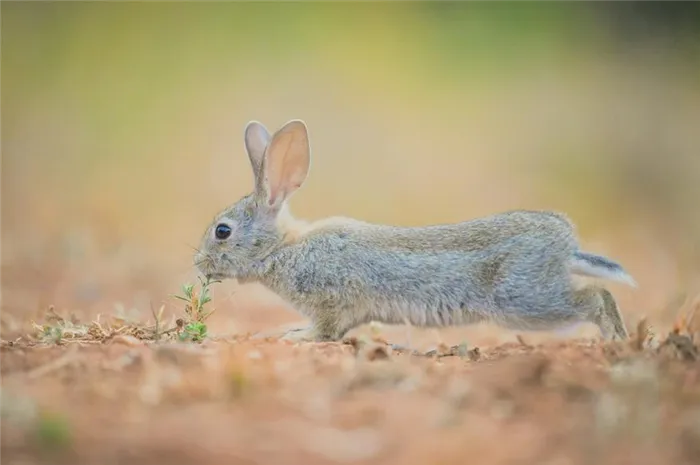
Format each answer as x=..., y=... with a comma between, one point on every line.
x=195, y=332
x=193, y=327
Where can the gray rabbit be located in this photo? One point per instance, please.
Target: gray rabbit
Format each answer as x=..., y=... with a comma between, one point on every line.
x=515, y=269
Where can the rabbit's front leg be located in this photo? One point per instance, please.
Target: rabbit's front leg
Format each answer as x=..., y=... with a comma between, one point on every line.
x=305, y=334
x=308, y=334
x=327, y=328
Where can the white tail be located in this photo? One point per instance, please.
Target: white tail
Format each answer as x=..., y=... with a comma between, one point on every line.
x=596, y=266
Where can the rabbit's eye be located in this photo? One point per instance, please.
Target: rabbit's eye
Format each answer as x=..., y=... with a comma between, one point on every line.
x=222, y=231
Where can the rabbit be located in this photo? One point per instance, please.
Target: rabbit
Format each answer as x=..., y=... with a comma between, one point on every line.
x=515, y=269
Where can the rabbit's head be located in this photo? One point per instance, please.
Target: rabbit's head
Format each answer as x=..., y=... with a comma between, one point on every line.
x=241, y=236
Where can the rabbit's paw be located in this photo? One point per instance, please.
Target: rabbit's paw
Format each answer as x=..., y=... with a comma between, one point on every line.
x=278, y=331
x=306, y=334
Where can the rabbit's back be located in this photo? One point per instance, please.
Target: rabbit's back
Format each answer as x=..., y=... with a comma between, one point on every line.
x=471, y=235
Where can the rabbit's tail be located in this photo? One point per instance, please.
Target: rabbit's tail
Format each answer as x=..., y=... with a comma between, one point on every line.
x=596, y=266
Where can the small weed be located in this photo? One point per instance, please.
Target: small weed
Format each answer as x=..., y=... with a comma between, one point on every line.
x=52, y=334
x=195, y=332
x=57, y=329
x=193, y=327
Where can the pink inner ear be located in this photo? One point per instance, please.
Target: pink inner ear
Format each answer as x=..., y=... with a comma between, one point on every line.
x=286, y=164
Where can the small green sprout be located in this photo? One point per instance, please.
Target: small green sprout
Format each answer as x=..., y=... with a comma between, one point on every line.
x=195, y=332
x=194, y=329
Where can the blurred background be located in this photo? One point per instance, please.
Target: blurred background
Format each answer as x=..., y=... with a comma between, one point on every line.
x=122, y=136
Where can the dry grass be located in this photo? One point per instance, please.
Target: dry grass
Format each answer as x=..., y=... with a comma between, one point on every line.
x=191, y=326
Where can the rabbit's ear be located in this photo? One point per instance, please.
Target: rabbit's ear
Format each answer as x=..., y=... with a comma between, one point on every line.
x=256, y=140
x=286, y=162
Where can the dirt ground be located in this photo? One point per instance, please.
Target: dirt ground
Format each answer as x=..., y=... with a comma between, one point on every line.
x=104, y=392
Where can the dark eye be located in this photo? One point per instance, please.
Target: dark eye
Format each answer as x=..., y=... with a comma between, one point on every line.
x=222, y=231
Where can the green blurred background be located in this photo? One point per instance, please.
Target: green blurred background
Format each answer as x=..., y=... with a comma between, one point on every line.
x=122, y=130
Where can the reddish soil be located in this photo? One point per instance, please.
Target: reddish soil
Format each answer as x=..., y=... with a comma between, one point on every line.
x=253, y=401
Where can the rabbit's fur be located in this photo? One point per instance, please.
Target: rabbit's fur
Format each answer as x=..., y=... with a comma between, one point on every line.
x=514, y=269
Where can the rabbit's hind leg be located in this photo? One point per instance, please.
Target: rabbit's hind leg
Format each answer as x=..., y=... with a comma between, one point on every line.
x=602, y=310
x=611, y=317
